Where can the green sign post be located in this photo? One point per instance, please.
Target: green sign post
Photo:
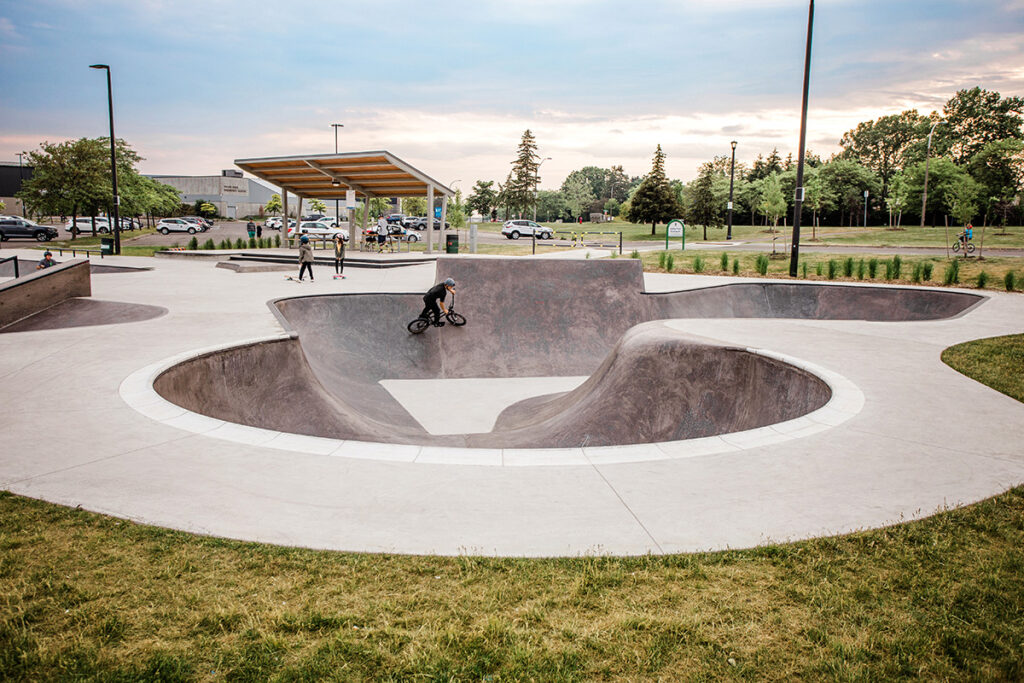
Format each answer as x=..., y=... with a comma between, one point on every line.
x=676, y=228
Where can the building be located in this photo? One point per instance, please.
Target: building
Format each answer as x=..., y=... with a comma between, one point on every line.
x=233, y=195
x=12, y=175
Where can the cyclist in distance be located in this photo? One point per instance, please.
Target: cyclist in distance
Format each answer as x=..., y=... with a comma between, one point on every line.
x=434, y=298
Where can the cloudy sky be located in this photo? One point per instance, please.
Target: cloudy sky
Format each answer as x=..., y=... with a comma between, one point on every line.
x=450, y=86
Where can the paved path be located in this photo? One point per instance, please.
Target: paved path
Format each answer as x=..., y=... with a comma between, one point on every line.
x=926, y=437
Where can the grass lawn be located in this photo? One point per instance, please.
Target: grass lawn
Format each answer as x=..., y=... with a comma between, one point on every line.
x=997, y=362
x=89, y=597
x=912, y=269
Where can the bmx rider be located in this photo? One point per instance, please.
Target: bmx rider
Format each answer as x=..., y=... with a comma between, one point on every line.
x=435, y=298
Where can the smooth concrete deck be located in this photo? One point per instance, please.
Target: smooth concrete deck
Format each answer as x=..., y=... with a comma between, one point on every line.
x=924, y=438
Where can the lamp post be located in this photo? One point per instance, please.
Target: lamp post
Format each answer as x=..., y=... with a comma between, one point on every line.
x=536, y=179
x=799, y=193
x=865, y=208
x=113, y=160
x=927, y=160
x=732, y=170
x=334, y=181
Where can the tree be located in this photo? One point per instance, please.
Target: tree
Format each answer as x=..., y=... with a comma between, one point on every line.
x=457, y=211
x=881, y=144
x=550, y=205
x=846, y=180
x=69, y=178
x=274, y=205
x=379, y=206
x=961, y=200
x=617, y=184
x=412, y=206
x=654, y=201
x=523, y=179
x=818, y=196
x=765, y=167
x=483, y=198
x=943, y=178
x=317, y=205
x=999, y=169
x=703, y=208
x=595, y=179
x=773, y=202
x=976, y=117
x=577, y=194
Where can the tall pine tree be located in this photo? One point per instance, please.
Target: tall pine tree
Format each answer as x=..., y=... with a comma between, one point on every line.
x=654, y=201
x=523, y=179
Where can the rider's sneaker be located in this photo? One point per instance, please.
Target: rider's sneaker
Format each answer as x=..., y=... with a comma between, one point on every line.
x=439, y=323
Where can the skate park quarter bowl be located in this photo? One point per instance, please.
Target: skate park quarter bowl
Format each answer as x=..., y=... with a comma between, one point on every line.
x=648, y=381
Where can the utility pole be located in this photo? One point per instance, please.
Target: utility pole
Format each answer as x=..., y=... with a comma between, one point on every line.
x=732, y=172
x=337, y=210
x=799, y=198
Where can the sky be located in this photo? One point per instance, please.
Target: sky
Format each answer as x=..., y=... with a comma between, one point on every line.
x=450, y=86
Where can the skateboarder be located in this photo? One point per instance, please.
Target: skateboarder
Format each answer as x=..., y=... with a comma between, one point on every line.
x=305, y=258
x=339, y=257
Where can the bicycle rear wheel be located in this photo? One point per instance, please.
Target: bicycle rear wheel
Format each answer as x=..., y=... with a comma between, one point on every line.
x=456, y=319
x=956, y=246
x=970, y=248
x=418, y=325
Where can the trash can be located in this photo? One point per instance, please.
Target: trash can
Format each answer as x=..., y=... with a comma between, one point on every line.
x=107, y=246
x=451, y=243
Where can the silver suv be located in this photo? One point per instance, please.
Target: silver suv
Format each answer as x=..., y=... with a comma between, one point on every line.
x=513, y=229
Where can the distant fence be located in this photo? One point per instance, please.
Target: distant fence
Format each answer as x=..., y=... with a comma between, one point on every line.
x=601, y=239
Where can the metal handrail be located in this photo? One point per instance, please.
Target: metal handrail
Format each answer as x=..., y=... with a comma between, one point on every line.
x=17, y=273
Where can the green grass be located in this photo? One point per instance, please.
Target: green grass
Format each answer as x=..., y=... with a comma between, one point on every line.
x=997, y=362
x=826, y=266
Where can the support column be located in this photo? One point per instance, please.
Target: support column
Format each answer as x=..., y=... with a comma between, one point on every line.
x=284, y=223
x=444, y=216
x=430, y=219
x=366, y=217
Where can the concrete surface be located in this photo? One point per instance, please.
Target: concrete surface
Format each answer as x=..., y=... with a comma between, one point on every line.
x=38, y=290
x=902, y=452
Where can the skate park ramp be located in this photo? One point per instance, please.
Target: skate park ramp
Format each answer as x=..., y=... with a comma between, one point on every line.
x=647, y=381
x=82, y=312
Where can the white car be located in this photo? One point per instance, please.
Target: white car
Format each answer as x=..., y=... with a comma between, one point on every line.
x=274, y=223
x=80, y=224
x=513, y=229
x=167, y=225
x=318, y=230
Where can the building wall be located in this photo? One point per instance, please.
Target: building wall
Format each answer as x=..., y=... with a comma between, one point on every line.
x=232, y=196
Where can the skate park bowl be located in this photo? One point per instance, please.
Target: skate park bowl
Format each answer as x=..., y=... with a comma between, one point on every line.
x=643, y=378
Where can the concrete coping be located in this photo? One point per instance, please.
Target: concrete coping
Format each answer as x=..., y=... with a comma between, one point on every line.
x=137, y=391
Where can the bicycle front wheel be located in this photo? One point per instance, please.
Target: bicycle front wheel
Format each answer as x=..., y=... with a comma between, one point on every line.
x=456, y=319
x=418, y=325
x=956, y=246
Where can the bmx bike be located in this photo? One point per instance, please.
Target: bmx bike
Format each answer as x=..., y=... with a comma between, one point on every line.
x=960, y=244
x=420, y=324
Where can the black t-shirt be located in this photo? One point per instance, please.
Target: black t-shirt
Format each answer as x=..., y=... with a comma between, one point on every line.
x=436, y=293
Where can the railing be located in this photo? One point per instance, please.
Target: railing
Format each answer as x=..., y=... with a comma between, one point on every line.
x=17, y=273
x=74, y=251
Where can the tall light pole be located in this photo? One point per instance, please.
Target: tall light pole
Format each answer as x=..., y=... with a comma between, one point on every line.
x=927, y=160
x=865, y=208
x=732, y=171
x=335, y=183
x=113, y=160
x=536, y=179
x=799, y=195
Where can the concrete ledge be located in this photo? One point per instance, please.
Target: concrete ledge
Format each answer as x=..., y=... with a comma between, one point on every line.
x=256, y=267
x=42, y=289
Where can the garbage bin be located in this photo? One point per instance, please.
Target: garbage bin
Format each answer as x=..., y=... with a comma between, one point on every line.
x=451, y=243
x=106, y=246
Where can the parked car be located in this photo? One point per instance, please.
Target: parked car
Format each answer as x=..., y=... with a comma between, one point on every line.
x=274, y=223
x=203, y=224
x=167, y=225
x=513, y=229
x=329, y=221
x=420, y=223
x=84, y=224
x=13, y=226
x=318, y=230
x=396, y=218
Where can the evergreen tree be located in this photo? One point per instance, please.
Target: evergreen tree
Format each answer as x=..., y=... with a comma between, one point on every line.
x=654, y=201
x=523, y=178
x=704, y=209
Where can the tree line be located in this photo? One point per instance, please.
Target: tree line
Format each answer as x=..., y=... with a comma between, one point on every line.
x=975, y=167
x=72, y=179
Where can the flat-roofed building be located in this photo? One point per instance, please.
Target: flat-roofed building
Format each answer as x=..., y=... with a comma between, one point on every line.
x=234, y=195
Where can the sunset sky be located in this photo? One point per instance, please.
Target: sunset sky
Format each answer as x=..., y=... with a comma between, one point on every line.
x=451, y=86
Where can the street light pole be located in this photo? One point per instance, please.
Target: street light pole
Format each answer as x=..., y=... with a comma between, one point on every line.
x=536, y=179
x=865, y=208
x=732, y=170
x=799, y=198
x=113, y=160
x=337, y=211
x=927, y=160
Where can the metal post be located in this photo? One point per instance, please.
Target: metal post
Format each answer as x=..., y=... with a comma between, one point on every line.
x=799, y=198
x=430, y=219
x=865, y=208
x=337, y=210
x=927, y=160
x=732, y=172
x=284, y=224
x=113, y=160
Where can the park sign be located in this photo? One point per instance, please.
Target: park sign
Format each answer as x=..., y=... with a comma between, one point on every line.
x=676, y=228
